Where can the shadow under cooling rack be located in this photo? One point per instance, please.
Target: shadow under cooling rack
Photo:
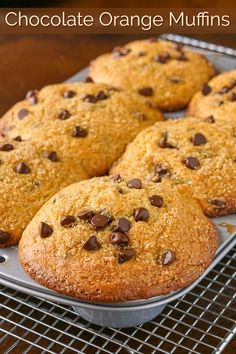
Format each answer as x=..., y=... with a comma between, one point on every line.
x=202, y=321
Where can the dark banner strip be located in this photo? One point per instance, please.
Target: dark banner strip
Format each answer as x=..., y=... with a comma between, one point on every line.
x=117, y=20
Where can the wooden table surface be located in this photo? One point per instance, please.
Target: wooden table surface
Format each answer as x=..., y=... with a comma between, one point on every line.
x=29, y=62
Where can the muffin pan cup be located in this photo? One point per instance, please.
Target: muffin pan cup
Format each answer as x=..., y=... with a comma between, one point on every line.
x=129, y=313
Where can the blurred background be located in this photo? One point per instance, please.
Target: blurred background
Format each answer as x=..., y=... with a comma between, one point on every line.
x=32, y=61
x=117, y=3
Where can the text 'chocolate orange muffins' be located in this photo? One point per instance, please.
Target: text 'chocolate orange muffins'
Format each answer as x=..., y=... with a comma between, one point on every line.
x=217, y=98
x=195, y=155
x=168, y=73
x=111, y=240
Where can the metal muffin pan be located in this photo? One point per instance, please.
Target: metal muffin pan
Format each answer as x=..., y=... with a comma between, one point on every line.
x=130, y=313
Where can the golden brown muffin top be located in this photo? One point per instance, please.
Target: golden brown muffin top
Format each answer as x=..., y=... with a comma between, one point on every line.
x=196, y=155
x=168, y=73
x=29, y=175
x=106, y=239
x=217, y=98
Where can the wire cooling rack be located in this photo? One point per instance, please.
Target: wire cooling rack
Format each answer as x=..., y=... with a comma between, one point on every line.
x=203, y=321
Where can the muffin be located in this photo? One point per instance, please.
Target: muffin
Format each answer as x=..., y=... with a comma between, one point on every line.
x=110, y=240
x=216, y=99
x=167, y=73
x=196, y=155
x=30, y=174
x=94, y=121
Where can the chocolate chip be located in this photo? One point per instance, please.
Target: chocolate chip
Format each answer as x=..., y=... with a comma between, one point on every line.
x=45, y=230
x=168, y=257
x=99, y=221
x=31, y=97
x=199, y=139
x=17, y=138
x=162, y=58
x=210, y=119
x=125, y=255
x=135, y=183
x=31, y=93
x=223, y=90
x=116, y=177
x=141, y=214
x=88, y=79
x=67, y=220
x=119, y=238
x=33, y=100
x=51, y=155
x=90, y=99
x=146, y=91
x=218, y=203
x=22, y=168
x=164, y=144
x=120, y=52
x=86, y=215
x=192, y=163
x=22, y=113
x=157, y=201
x=122, y=225
x=101, y=96
x=206, y=89
x=64, y=114
x=6, y=147
x=182, y=57
x=160, y=171
x=178, y=46
x=79, y=132
x=69, y=94
x=233, y=97
x=228, y=88
x=92, y=244
x=4, y=236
